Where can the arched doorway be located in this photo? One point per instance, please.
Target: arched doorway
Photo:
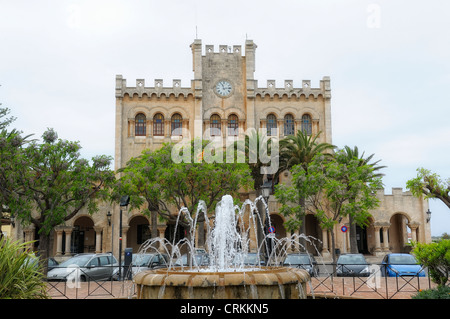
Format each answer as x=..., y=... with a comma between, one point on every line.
x=138, y=232
x=361, y=239
x=314, y=233
x=83, y=236
x=399, y=232
x=277, y=222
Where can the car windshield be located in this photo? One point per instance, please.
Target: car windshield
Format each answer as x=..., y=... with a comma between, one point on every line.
x=248, y=259
x=403, y=260
x=76, y=261
x=352, y=260
x=140, y=260
x=196, y=261
x=297, y=260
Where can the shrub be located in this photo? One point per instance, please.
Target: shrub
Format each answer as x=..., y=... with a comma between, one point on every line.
x=442, y=292
x=20, y=274
x=435, y=256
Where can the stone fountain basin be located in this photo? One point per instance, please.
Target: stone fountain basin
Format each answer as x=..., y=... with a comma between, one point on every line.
x=267, y=283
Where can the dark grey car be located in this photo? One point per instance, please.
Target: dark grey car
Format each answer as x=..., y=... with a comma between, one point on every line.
x=84, y=267
x=302, y=261
x=352, y=265
x=141, y=262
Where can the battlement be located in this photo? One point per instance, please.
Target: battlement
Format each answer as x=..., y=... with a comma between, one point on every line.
x=271, y=91
x=158, y=89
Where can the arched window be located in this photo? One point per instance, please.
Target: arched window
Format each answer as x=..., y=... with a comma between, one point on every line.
x=140, y=125
x=215, y=125
x=271, y=125
x=233, y=125
x=158, y=125
x=306, y=124
x=176, y=124
x=288, y=125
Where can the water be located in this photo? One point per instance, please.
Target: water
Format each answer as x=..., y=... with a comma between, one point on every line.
x=228, y=241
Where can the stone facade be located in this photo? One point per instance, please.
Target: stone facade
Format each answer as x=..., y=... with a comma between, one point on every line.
x=224, y=100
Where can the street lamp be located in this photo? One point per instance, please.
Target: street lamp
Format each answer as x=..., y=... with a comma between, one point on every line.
x=124, y=201
x=428, y=215
x=12, y=218
x=265, y=191
x=108, y=217
x=266, y=188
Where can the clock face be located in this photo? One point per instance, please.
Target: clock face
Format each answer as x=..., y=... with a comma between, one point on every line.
x=223, y=88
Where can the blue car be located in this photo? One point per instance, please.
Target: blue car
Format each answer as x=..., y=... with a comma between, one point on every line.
x=396, y=265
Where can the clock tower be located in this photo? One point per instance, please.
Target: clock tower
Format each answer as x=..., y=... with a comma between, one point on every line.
x=222, y=79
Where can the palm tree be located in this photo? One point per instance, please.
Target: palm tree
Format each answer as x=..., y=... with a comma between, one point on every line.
x=354, y=154
x=257, y=146
x=300, y=149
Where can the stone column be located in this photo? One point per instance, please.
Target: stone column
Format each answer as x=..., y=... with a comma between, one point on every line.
x=68, y=232
x=413, y=226
x=385, y=239
x=29, y=236
x=98, y=239
x=161, y=232
x=377, y=250
x=59, y=232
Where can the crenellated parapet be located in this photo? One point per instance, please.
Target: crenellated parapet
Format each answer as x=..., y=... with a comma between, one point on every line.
x=271, y=91
x=158, y=90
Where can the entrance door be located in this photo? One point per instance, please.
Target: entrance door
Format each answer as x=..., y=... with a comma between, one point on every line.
x=77, y=241
x=361, y=239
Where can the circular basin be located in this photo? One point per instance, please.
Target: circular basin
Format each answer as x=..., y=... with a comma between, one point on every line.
x=267, y=283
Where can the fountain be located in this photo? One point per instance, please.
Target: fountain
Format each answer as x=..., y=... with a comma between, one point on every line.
x=227, y=276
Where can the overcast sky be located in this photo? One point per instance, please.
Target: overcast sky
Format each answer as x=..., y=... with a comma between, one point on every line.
x=389, y=63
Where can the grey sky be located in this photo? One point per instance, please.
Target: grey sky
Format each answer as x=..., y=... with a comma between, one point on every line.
x=389, y=63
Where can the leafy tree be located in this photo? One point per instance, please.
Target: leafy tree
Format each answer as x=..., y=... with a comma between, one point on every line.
x=53, y=184
x=11, y=143
x=259, y=151
x=332, y=188
x=6, y=121
x=300, y=149
x=164, y=186
x=436, y=257
x=352, y=154
x=431, y=185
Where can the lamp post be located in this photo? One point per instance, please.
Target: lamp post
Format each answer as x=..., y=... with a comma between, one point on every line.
x=428, y=215
x=13, y=220
x=265, y=193
x=124, y=201
x=108, y=217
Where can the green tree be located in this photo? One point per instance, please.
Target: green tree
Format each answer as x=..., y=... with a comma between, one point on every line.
x=435, y=256
x=154, y=180
x=330, y=187
x=54, y=184
x=300, y=149
x=431, y=185
x=353, y=154
x=11, y=143
x=259, y=151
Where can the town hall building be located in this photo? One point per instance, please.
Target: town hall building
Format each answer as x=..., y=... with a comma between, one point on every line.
x=224, y=100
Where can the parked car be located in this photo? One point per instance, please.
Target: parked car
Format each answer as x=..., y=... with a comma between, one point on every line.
x=84, y=267
x=303, y=261
x=141, y=262
x=198, y=260
x=249, y=259
x=352, y=265
x=34, y=260
x=395, y=265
